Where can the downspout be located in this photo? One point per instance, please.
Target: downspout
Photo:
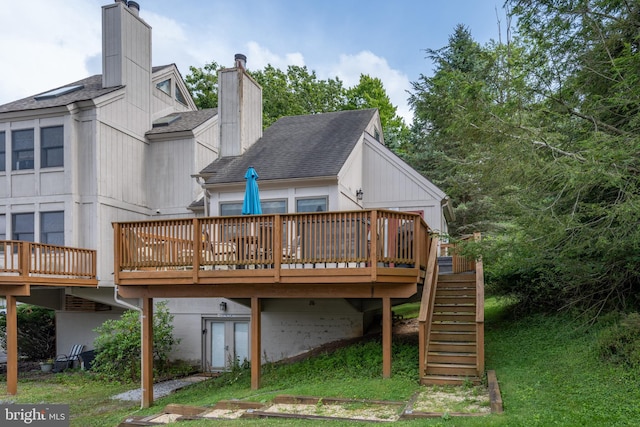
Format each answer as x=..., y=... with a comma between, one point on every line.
x=139, y=310
x=202, y=183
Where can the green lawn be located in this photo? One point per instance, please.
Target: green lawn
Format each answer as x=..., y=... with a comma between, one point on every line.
x=547, y=367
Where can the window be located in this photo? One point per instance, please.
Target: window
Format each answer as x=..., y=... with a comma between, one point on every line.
x=230, y=209
x=3, y=227
x=180, y=97
x=51, y=147
x=22, y=149
x=3, y=152
x=23, y=227
x=52, y=228
x=165, y=86
x=273, y=206
x=312, y=205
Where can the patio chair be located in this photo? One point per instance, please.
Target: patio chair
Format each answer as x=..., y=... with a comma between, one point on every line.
x=65, y=361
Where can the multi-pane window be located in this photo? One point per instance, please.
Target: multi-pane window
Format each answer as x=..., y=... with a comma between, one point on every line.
x=22, y=149
x=230, y=209
x=273, y=206
x=312, y=205
x=52, y=228
x=51, y=147
x=3, y=152
x=23, y=226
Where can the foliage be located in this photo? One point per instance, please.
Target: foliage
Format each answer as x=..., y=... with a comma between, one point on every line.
x=620, y=343
x=36, y=332
x=118, y=344
x=535, y=140
x=298, y=91
x=370, y=93
x=203, y=84
x=548, y=368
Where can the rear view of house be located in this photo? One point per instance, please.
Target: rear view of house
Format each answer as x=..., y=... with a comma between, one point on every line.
x=126, y=167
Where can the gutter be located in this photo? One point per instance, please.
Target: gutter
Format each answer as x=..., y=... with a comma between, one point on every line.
x=139, y=310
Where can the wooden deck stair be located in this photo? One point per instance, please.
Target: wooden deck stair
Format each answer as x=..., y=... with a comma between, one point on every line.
x=452, y=355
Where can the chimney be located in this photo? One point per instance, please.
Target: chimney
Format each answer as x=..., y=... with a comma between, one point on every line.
x=239, y=109
x=126, y=45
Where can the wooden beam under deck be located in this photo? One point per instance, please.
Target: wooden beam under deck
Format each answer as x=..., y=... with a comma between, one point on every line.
x=12, y=345
x=248, y=290
x=146, y=318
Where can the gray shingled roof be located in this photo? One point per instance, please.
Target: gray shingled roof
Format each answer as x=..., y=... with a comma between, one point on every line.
x=92, y=89
x=188, y=120
x=315, y=145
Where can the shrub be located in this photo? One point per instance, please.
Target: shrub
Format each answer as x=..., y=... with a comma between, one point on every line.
x=36, y=332
x=620, y=343
x=117, y=345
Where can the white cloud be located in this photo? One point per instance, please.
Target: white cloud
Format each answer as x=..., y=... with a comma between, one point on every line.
x=259, y=56
x=40, y=50
x=350, y=67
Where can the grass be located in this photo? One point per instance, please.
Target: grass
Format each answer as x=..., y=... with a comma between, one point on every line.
x=547, y=366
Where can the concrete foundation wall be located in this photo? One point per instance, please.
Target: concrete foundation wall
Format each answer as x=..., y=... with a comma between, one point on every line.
x=77, y=328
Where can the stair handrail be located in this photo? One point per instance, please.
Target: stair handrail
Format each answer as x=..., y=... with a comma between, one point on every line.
x=479, y=312
x=427, y=304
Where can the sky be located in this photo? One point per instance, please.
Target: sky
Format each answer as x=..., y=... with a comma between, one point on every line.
x=45, y=44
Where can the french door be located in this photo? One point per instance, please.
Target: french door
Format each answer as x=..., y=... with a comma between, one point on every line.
x=226, y=343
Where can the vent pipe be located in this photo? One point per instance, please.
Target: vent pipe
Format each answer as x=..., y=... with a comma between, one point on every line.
x=134, y=7
x=241, y=61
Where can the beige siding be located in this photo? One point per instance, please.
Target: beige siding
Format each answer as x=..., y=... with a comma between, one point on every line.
x=389, y=183
x=240, y=111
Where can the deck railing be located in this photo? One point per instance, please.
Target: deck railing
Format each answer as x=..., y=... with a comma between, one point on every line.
x=460, y=263
x=29, y=259
x=334, y=239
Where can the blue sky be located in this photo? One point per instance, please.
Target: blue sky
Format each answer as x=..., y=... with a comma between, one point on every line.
x=51, y=43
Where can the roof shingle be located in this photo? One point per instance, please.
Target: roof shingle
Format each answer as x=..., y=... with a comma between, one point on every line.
x=315, y=145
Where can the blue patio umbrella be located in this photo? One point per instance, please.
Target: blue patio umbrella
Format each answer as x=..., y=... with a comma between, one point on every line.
x=251, y=204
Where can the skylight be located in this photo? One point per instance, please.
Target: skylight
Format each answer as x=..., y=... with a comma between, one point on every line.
x=166, y=120
x=58, y=92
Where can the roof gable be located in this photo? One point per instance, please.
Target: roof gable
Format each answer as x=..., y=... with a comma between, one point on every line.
x=315, y=145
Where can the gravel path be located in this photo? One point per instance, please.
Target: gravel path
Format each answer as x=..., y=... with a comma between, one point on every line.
x=160, y=389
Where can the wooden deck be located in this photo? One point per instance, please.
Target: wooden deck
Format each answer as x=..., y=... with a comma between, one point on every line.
x=285, y=256
x=24, y=265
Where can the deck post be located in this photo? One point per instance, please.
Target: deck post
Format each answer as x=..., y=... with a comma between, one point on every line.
x=12, y=345
x=256, y=350
x=146, y=317
x=386, y=337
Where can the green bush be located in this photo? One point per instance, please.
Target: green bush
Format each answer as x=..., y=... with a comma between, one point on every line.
x=117, y=345
x=36, y=332
x=620, y=343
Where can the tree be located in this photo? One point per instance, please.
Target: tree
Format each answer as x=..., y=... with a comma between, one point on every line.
x=203, y=85
x=449, y=143
x=544, y=129
x=370, y=93
x=36, y=332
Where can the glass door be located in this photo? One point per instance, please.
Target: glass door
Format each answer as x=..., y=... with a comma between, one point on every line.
x=226, y=344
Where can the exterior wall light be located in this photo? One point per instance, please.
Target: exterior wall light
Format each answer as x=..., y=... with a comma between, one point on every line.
x=359, y=194
x=223, y=306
